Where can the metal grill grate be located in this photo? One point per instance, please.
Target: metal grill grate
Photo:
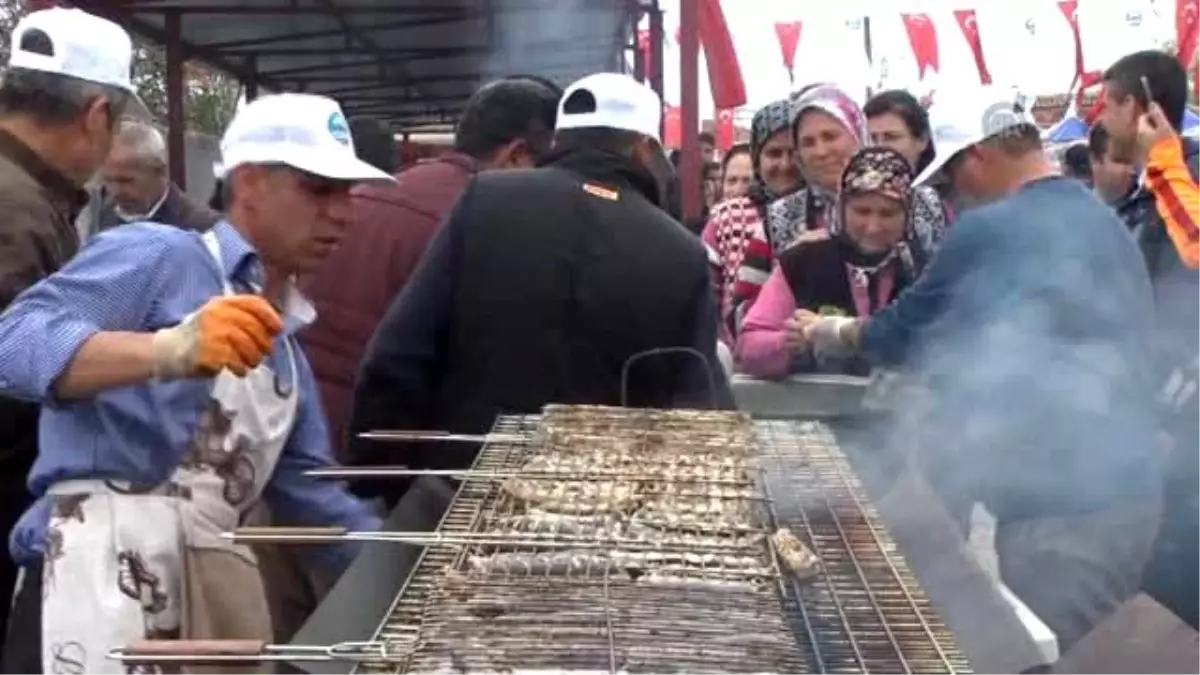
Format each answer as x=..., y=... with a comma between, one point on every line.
x=866, y=613
x=462, y=610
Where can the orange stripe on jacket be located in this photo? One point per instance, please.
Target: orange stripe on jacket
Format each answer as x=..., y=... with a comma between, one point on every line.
x=1176, y=197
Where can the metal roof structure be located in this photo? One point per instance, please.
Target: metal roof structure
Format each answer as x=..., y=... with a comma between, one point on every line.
x=412, y=63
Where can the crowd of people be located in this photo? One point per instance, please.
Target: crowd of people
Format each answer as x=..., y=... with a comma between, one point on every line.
x=171, y=370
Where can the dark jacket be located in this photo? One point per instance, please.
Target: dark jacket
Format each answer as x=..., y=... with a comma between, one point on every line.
x=390, y=231
x=1171, y=573
x=38, y=207
x=177, y=209
x=540, y=288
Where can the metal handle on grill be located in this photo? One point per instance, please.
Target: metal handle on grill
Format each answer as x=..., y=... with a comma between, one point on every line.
x=231, y=648
x=663, y=351
x=245, y=652
x=296, y=535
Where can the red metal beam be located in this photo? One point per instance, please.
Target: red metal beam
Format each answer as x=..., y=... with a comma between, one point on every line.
x=689, y=89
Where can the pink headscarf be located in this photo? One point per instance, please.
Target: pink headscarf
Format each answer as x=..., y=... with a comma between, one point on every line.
x=829, y=99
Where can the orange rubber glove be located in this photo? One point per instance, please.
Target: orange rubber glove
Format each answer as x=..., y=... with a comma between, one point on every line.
x=234, y=332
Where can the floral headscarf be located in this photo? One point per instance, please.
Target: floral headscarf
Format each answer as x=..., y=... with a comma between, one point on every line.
x=789, y=217
x=768, y=121
x=880, y=171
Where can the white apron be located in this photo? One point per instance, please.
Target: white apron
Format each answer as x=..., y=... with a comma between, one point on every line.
x=126, y=562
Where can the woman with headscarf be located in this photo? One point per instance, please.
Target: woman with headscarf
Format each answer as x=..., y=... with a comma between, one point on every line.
x=828, y=127
x=860, y=267
x=733, y=221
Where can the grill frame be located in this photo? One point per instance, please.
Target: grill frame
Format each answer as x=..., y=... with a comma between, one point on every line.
x=803, y=604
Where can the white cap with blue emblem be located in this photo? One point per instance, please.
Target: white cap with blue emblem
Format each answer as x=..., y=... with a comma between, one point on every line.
x=303, y=131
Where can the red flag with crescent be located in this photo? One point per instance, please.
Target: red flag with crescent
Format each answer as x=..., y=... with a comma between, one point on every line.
x=788, y=33
x=724, y=71
x=922, y=35
x=970, y=28
x=724, y=130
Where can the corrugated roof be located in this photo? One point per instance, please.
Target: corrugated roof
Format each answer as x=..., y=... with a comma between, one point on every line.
x=411, y=62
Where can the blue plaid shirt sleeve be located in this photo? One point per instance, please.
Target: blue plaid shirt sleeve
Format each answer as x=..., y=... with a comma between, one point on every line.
x=298, y=499
x=108, y=286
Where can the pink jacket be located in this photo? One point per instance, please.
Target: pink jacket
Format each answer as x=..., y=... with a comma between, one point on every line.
x=762, y=349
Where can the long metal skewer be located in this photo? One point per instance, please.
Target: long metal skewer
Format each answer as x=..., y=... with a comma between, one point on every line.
x=332, y=535
x=662, y=474
x=442, y=436
x=249, y=652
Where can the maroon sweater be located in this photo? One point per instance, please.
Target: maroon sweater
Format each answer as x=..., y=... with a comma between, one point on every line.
x=392, y=224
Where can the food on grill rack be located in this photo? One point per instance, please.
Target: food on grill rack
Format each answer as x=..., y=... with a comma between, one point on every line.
x=546, y=564
x=798, y=557
x=574, y=496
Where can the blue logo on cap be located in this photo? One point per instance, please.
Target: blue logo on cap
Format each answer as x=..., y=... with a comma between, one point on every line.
x=339, y=129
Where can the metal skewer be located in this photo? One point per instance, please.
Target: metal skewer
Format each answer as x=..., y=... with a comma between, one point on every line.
x=334, y=535
x=442, y=436
x=664, y=475
x=251, y=652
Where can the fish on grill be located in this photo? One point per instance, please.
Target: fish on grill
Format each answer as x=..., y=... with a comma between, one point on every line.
x=799, y=558
x=557, y=563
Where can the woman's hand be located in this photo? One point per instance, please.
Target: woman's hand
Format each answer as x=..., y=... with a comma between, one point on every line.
x=795, y=327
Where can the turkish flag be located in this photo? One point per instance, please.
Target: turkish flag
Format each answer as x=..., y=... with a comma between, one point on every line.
x=1187, y=30
x=970, y=28
x=724, y=71
x=1070, y=9
x=788, y=33
x=922, y=35
x=724, y=131
x=672, y=127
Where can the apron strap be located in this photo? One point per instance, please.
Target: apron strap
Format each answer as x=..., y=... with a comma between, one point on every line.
x=214, y=249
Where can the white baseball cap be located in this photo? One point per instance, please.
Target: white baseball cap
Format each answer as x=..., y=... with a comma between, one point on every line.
x=621, y=102
x=962, y=119
x=81, y=45
x=303, y=131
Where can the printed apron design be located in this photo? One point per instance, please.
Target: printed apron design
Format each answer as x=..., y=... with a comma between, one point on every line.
x=126, y=562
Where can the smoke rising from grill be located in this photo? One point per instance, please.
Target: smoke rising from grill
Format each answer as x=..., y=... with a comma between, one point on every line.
x=1042, y=389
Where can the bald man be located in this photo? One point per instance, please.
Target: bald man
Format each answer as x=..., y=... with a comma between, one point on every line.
x=137, y=187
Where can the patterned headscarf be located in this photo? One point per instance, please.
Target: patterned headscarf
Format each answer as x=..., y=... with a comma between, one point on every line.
x=770, y=120
x=880, y=171
x=828, y=98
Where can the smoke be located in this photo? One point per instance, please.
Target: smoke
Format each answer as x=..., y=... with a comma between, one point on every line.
x=1038, y=370
x=560, y=40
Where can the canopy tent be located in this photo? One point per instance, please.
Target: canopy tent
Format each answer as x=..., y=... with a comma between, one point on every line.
x=1072, y=128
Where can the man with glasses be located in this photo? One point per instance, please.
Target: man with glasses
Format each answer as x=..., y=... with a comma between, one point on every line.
x=176, y=396
x=66, y=86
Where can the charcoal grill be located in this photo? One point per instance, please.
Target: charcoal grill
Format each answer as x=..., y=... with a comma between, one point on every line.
x=864, y=611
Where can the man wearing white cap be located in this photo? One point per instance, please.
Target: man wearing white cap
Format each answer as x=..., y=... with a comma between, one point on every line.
x=175, y=396
x=542, y=285
x=1030, y=329
x=66, y=87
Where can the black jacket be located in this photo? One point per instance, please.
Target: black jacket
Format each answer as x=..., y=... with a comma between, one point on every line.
x=539, y=288
x=177, y=209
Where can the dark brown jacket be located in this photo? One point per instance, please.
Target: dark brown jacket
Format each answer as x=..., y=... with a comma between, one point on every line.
x=177, y=209
x=392, y=226
x=38, y=207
